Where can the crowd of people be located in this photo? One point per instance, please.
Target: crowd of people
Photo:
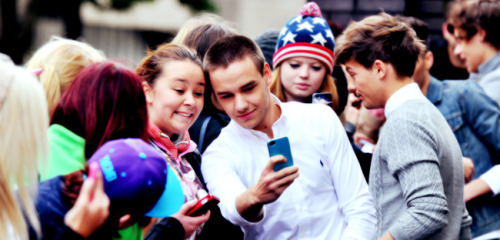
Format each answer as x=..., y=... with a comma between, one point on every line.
x=381, y=149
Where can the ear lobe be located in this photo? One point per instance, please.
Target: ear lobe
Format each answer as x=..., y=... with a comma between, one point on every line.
x=148, y=92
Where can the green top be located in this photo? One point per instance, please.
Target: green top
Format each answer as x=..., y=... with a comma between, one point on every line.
x=66, y=156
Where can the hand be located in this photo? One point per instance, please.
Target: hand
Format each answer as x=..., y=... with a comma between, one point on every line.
x=468, y=168
x=91, y=209
x=272, y=184
x=352, y=108
x=475, y=188
x=190, y=224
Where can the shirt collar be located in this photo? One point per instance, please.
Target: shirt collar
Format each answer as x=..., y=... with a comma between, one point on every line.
x=435, y=90
x=409, y=92
x=490, y=65
x=486, y=67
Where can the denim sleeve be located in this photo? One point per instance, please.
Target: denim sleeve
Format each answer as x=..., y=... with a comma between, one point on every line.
x=483, y=114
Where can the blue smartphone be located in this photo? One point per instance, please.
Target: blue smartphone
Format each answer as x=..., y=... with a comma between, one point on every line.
x=280, y=146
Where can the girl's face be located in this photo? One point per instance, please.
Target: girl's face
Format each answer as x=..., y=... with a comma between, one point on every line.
x=301, y=77
x=176, y=99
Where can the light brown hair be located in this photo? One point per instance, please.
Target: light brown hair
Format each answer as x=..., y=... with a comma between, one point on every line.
x=471, y=15
x=151, y=66
x=380, y=37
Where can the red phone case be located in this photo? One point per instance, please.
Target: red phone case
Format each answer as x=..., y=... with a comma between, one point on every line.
x=203, y=205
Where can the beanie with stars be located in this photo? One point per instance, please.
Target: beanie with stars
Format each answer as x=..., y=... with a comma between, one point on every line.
x=306, y=35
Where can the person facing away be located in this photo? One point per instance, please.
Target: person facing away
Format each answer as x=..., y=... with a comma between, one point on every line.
x=474, y=118
x=58, y=62
x=416, y=175
x=475, y=28
x=329, y=199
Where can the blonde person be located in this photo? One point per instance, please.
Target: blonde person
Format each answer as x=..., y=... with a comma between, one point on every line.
x=303, y=62
x=23, y=140
x=58, y=62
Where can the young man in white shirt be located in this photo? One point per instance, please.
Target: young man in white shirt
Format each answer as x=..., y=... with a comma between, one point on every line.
x=416, y=174
x=329, y=199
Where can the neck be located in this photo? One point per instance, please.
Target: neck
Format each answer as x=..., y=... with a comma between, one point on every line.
x=395, y=85
x=425, y=84
x=490, y=52
x=272, y=115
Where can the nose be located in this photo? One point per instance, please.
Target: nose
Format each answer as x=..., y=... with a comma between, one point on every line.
x=304, y=71
x=458, y=50
x=241, y=104
x=189, y=99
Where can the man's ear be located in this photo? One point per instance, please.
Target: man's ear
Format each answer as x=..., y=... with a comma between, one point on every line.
x=267, y=74
x=482, y=34
x=380, y=68
x=428, y=60
x=148, y=91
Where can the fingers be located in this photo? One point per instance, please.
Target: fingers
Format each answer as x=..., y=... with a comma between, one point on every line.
x=187, y=206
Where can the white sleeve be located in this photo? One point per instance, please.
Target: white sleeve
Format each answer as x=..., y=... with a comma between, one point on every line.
x=219, y=171
x=492, y=178
x=353, y=195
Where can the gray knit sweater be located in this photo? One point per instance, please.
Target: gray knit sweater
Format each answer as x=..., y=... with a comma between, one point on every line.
x=416, y=176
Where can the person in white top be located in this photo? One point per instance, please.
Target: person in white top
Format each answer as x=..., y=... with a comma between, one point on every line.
x=329, y=199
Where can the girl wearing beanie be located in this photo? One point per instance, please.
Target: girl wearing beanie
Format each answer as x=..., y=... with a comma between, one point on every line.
x=303, y=62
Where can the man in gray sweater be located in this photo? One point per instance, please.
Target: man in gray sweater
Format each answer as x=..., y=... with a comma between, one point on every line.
x=416, y=176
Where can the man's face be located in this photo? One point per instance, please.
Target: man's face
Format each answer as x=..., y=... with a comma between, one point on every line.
x=364, y=83
x=242, y=92
x=471, y=51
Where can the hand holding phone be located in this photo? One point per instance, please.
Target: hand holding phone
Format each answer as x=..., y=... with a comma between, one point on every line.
x=205, y=202
x=280, y=146
x=323, y=98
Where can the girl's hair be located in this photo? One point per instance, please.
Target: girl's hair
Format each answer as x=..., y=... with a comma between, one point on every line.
x=105, y=102
x=23, y=141
x=196, y=21
x=151, y=66
x=328, y=85
x=61, y=60
x=200, y=39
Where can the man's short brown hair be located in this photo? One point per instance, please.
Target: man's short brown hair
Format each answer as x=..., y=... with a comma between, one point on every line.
x=231, y=49
x=380, y=37
x=471, y=15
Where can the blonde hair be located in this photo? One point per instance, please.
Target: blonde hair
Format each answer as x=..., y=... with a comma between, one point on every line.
x=61, y=60
x=23, y=141
x=328, y=85
x=199, y=20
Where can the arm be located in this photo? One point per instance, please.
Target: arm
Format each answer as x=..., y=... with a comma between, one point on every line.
x=483, y=114
x=91, y=208
x=239, y=204
x=415, y=164
x=489, y=182
x=355, y=200
x=269, y=188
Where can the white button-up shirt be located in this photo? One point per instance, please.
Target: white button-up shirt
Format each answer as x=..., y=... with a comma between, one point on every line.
x=329, y=199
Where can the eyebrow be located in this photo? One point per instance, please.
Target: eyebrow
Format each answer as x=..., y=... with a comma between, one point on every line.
x=253, y=82
x=184, y=81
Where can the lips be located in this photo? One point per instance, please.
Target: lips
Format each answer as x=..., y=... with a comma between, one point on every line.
x=246, y=116
x=184, y=115
x=302, y=86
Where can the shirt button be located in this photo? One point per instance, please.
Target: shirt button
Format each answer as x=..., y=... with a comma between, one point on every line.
x=302, y=235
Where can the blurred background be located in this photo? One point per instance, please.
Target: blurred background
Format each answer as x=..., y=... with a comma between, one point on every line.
x=124, y=29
